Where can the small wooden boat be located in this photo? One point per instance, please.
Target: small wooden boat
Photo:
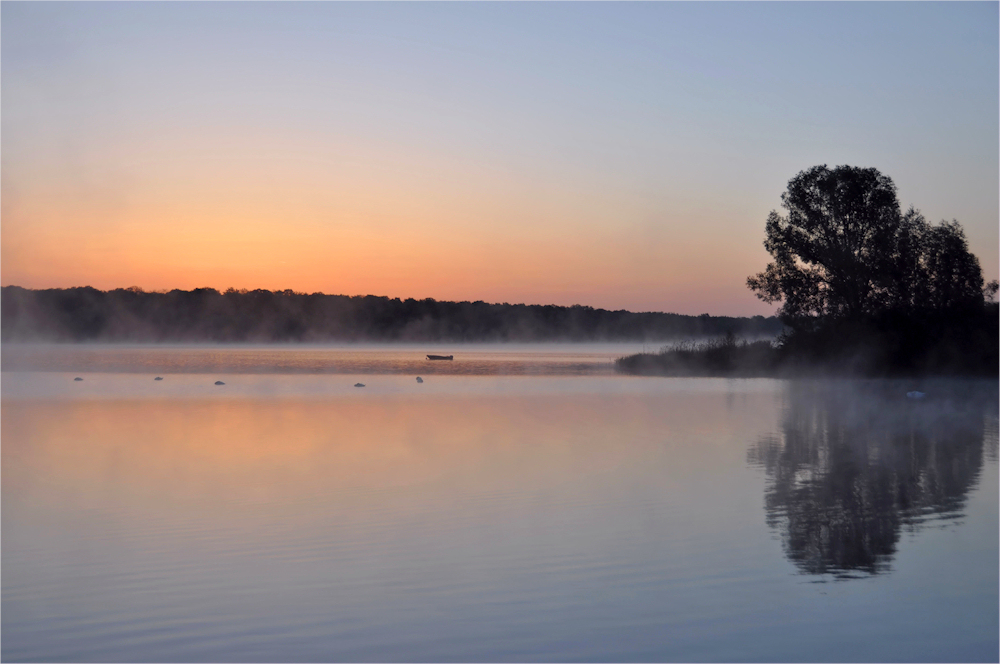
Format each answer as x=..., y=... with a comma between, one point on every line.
x=440, y=357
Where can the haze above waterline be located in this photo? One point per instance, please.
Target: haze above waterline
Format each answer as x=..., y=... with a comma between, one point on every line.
x=612, y=155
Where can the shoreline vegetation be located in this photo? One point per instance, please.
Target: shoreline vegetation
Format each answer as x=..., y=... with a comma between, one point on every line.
x=866, y=290
x=964, y=346
x=205, y=315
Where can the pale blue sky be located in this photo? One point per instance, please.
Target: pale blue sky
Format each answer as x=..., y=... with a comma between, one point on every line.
x=653, y=137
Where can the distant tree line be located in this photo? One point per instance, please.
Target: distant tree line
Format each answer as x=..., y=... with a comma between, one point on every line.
x=261, y=316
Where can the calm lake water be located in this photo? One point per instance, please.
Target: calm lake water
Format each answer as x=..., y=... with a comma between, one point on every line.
x=521, y=504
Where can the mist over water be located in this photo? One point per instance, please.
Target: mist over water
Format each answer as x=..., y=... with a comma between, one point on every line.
x=469, y=359
x=544, y=514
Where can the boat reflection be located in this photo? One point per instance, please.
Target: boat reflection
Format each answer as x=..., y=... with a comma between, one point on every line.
x=855, y=464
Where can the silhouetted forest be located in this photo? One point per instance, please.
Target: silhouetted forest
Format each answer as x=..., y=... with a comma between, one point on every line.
x=206, y=315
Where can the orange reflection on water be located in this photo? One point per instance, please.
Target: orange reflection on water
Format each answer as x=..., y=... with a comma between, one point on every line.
x=216, y=456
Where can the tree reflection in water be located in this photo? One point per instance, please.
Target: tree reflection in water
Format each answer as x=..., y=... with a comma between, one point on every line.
x=854, y=463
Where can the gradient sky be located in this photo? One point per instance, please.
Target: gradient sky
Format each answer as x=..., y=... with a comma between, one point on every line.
x=618, y=155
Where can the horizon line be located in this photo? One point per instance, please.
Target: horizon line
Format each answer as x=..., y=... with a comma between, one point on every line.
x=243, y=291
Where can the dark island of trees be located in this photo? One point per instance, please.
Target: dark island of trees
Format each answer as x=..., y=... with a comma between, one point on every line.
x=865, y=290
x=261, y=316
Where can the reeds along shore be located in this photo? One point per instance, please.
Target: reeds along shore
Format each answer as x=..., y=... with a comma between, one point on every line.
x=955, y=343
x=720, y=357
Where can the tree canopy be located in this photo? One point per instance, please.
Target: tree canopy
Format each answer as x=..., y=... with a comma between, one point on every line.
x=865, y=290
x=844, y=250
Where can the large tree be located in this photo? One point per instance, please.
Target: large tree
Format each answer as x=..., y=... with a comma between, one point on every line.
x=844, y=250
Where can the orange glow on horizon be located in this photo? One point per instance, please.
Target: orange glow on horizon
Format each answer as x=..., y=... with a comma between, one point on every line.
x=407, y=261
x=434, y=229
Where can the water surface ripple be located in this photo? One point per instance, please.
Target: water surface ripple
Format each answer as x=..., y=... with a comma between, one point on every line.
x=534, y=517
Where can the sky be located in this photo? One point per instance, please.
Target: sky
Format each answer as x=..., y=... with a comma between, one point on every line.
x=615, y=155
